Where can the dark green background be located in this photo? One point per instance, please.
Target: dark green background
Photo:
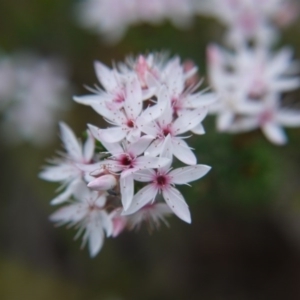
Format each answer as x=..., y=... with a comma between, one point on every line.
x=244, y=242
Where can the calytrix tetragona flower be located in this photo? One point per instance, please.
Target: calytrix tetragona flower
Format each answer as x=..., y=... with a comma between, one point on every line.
x=148, y=104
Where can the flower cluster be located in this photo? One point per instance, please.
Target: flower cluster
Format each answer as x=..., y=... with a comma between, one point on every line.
x=151, y=102
x=251, y=19
x=112, y=17
x=32, y=92
x=250, y=80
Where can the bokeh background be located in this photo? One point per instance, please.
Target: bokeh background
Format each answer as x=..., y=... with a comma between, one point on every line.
x=244, y=242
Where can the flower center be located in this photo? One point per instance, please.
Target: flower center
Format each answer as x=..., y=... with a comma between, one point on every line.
x=265, y=117
x=126, y=160
x=161, y=180
x=167, y=130
x=130, y=123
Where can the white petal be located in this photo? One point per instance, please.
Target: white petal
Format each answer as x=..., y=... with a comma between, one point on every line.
x=145, y=175
x=89, y=147
x=127, y=188
x=58, y=173
x=64, y=196
x=105, y=76
x=167, y=152
x=200, y=100
x=288, y=118
x=90, y=99
x=244, y=124
x=133, y=101
x=113, y=148
x=114, y=116
x=177, y=203
x=70, y=141
x=113, y=134
x=189, y=120
x=280, y=62
x=155, y=111
x=69, y=213
x=155, y=148
x=224, y=120
x=286, y=84
x=141, y=198
x=183, y=152
x=199, y=129
x=188, y=174
x=107, y=223
x=140, y=146
x=95, y=239
x=274, y=133
x=149, y=162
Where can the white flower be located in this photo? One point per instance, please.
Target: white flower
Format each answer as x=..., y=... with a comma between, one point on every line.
x=127, y=161
x=65, y=169
x=33, y=90
x=162, y=181
x=88, y=214
x=152, y=214
x=165, y=126
x=247, y=82
x=111, y=18
x=249, y=19
x=270, y=119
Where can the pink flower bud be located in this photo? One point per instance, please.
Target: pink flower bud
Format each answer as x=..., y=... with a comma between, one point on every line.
x=103, y=183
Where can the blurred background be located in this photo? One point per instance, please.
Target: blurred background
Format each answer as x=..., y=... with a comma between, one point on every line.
x=244, y=242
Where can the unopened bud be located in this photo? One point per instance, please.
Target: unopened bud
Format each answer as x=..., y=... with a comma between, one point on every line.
x=103, y=183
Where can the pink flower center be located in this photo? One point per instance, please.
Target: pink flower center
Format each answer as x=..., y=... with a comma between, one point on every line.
x=265, y=117
x=166, y=130
x=162, y=181
x=126, y=160
x=130, y=123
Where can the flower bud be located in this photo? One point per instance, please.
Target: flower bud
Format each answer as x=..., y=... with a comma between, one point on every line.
x=103, y=183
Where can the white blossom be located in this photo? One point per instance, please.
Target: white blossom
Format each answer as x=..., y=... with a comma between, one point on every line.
x=32, y=95
x=65, y=169
x=88, y=214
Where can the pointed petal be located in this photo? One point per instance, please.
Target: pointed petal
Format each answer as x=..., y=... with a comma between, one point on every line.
x=188, y=174
x=133, y=101
x=155, y=148
x=286, y=84
x=64, y=196
x=58, y=173
x=199, y=129
x=69, y=213
x=145, y=175
x=200, y=100
x=141, y=198
x=288, y=118
x=95, y=238
x=70, y=142
x=105, y=76
x=274, y=133
x=149, y=162
x=90, y=99
x=127, y=187
x=113, y=134
x=177, y=204
x=107, y=223
x=224, y=120
x=113, y=148
x=189, y=120
x=89, y=147
x=183, y=152
x=140, y=146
